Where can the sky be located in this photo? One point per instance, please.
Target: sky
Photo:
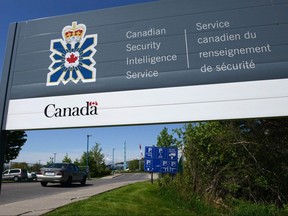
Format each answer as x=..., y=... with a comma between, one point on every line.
x=42, y=145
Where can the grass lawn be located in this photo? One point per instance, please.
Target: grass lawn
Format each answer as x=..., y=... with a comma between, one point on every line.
x=148, y=199
x=137, y=199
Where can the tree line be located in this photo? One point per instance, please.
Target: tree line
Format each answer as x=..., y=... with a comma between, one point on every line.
x=97, y=166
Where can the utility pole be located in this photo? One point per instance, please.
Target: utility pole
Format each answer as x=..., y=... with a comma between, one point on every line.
x=87, y=157
x=141, y=156
x=113, y=164
x=125, y=164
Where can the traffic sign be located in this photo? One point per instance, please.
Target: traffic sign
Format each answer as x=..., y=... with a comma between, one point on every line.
x=161, y=159
x=149, y=152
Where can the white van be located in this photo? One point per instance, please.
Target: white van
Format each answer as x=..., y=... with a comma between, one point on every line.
x=16, y=174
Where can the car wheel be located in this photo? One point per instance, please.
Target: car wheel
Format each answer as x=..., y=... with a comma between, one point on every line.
x=16, y=178
x=83, y=182
x=44, y=184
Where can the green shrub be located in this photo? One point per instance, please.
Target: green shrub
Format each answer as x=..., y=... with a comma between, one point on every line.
x=247, y=209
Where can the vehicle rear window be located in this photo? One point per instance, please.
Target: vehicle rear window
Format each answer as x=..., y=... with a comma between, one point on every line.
x=60, y=166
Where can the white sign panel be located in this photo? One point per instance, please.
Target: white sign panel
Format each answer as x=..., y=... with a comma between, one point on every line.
x=182, y=104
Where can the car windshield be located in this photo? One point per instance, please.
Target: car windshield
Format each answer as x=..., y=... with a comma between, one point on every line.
x=57, y=165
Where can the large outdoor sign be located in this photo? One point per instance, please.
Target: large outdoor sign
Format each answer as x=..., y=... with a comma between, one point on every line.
x=163, y=61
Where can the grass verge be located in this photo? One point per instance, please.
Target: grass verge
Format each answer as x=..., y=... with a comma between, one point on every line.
x=137, y=199
x=148, y=199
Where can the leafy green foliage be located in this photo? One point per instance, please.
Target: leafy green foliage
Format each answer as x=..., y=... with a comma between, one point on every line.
x=134, y=165
x=66, y=159
x=15, y=141
x=244, y=209
x=165, y=139
x=97, y=164
x=246, y=159
x=96, y=161
x=24, y=165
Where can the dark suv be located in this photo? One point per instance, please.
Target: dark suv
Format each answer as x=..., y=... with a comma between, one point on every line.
x=15, y=174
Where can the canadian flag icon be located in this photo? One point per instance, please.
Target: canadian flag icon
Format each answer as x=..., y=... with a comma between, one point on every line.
x=93, y=103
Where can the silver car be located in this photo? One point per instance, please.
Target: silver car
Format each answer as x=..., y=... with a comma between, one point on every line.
x=16, y=174
x=63, y=173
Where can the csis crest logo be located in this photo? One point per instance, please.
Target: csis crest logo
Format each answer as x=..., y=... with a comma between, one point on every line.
x=72, y=56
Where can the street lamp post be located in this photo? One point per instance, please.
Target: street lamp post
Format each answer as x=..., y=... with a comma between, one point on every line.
x=87, y=158
x=113, y=164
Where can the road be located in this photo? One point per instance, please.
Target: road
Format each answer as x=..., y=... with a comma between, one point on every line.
x=21, y=191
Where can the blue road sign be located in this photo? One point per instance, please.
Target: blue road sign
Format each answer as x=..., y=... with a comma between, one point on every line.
x=148, y=165
x=172, y=153
x=149, y=152
x=161, y=159
x=161, y=153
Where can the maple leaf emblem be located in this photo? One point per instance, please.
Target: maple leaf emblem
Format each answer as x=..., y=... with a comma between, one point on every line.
x=72, y=58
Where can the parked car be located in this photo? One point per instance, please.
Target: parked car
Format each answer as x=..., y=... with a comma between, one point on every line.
x=32, y=176
x=63, y=173
x=15, y=174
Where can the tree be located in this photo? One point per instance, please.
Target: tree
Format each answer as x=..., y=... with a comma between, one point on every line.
x=95, y=161
x=19, y=165
x=77, y=162
x=83, y=159
x=66, y=159
x=98, y=164
x=165, y=139
x=35, y=167
x=134, y=165
x=51, y=161
x=15, y=141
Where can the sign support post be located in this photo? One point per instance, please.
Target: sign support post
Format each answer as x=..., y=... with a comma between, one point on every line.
x=3, y=145
x=4, y=88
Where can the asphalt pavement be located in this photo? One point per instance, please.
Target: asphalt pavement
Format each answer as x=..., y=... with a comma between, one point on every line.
x=43, y=205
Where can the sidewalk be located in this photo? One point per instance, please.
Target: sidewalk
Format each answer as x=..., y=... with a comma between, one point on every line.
x=43, y=205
